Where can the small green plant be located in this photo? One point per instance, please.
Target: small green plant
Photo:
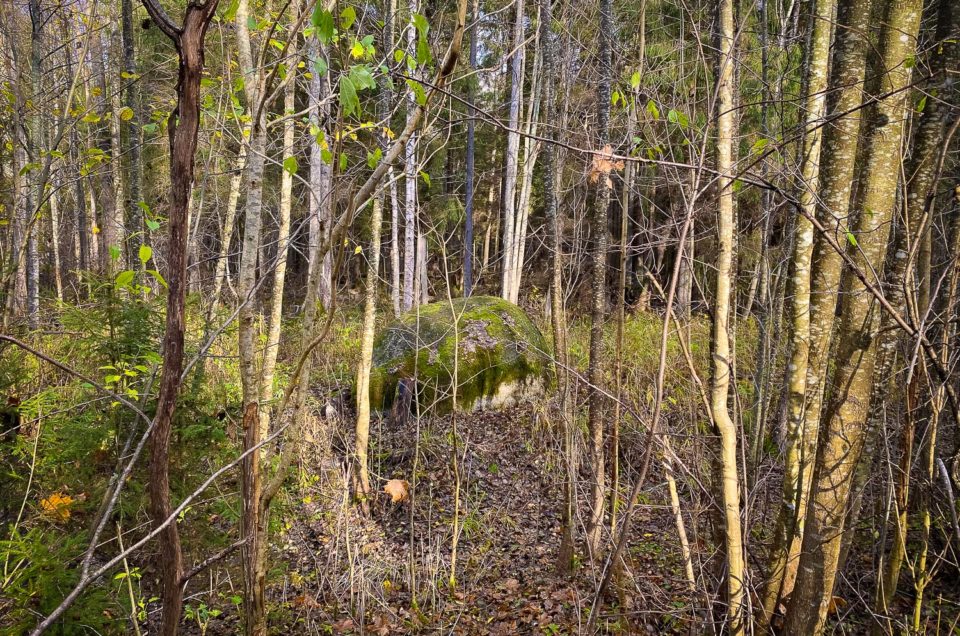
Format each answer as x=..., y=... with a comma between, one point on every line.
x=201, y=615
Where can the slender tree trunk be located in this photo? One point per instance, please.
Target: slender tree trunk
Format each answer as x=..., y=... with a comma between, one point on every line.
x=275, y=320
x=222, y=270
x=789, y=528
x=844, y=421
x=722, y=356
x=132, y=140
x=184, y=124
x=410, y=272
x=512, y=156
x=469, y=185
x=921, y=171
x=595, y=418
x=321, y=172
x=252, y=521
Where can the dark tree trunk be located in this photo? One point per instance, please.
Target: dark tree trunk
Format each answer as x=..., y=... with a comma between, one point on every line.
x=184, y=124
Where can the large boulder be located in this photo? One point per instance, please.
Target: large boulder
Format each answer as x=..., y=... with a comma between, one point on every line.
x=502, y=358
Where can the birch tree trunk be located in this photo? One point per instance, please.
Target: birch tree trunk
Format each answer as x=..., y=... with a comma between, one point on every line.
x=471, y=152
x=252, y=522
x=222, y=270
x=512, y=157
x=531, y=150
x=321, y=172
x=844, y=421
x=283, y=229
x=410, y=181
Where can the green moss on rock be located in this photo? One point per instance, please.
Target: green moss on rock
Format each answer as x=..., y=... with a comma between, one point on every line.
x=502, y=358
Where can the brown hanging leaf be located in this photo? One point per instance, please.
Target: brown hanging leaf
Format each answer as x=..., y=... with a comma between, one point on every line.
x=603, y=164
x=398, y=489
x=836, y=604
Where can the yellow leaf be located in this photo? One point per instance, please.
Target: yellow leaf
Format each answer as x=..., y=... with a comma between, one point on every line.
x=126, y=113
x=357, y=249
x=57, y=506
x=398, y=489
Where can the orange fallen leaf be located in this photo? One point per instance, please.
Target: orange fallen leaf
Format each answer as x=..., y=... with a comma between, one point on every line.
x=398, y=489
x=57, y=506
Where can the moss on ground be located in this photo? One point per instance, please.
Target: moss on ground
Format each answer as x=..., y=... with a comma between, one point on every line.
x=490, y=345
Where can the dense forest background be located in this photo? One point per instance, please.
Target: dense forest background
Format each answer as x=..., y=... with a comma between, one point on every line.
x=735, y=223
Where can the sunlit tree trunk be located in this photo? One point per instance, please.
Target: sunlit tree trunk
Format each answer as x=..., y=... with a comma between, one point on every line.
x=222, y=269
x=722, y=356
x=512, y=156
x=410, y=271
x=787, y=529
x=838, y=157
x=275, y=319
x=844, y=421
x=920, y=173
x=469, y=185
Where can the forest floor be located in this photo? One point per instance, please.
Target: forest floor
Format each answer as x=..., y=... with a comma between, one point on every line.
x=339, y=571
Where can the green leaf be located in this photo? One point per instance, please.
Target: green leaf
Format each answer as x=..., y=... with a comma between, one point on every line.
x=290, y=165
x=347, y=17
x=423, y=52
x=653, y=110
x=326, y=156
x=420, y=24
x=425, y=177
x=373, y=158
x=418, y=92
x=151, y=128
x=152, y=225
x=852, y=239
x=398, y=56
x=114, y=252
x=124, y=278
x=145, y=253
x=758, y=146
x=635, y=80
x=921, y=104
x=361, y=77
x=158, y=277
x=343, y=162
x=230, y=14
x=348, y=96
x=323, y=23
x=320, y=66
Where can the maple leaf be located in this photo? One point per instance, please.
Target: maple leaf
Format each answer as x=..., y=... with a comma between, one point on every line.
x=603, y=164
x=398, y=489
x=57, y=506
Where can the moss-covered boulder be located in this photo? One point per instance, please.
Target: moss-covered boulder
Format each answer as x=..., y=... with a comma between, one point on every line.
x=502, y=358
